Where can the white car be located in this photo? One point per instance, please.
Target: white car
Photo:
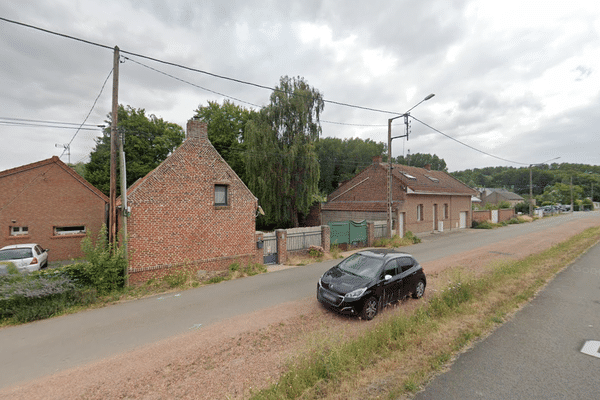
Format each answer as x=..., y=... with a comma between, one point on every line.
x=26, y=257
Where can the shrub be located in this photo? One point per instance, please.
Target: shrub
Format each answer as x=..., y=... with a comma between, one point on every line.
x=32, y=296
x=410, y=236
x=483, y=225
x=316, y=251
x=105, y=269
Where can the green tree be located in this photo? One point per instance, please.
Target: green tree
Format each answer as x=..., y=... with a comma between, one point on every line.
x=340, y=160
x=226, y=131
x=422, y=159
x=281, y=163
x=148, y=140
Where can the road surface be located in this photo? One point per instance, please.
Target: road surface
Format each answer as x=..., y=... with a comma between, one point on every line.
x=45, y=347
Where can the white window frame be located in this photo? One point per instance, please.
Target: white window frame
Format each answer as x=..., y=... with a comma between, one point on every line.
x=69, y=230
x=19, y=230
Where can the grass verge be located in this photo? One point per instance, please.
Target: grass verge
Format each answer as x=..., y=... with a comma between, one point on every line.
x=422, y=342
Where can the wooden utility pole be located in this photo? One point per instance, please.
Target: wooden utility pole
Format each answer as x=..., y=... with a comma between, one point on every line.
x=112, y=212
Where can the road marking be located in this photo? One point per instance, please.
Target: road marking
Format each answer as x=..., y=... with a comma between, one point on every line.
x=591, y=348
x=196, y=326
x=166, y=297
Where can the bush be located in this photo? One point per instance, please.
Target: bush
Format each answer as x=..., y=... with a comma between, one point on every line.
x=32, y=296
x=482, y=225
x=316, y=251
x=105, y=267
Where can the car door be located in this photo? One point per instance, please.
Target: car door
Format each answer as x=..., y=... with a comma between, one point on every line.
x=408, y=275
x=392, y=286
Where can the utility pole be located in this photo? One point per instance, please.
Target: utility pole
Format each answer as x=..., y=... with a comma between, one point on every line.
x=112, y=214
x=124, y=207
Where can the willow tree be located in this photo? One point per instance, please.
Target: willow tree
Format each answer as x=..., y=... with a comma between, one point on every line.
x=282, y=167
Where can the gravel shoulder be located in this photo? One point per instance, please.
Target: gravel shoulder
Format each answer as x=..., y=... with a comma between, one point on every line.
x=229, y=359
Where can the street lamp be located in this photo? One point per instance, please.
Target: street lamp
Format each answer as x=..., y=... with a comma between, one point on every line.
x=389, y=188
x=531, y=186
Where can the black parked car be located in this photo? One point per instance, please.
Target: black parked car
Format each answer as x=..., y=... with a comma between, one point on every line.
x=368, y=280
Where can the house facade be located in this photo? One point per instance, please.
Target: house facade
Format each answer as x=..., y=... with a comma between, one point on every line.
x=497, y=196
x=48, y=203
x=192, y=211
x=422, y=200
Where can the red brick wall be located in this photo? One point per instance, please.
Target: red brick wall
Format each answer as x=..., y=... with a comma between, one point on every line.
x=368, y=200
x=174, y=221
x=44, y=195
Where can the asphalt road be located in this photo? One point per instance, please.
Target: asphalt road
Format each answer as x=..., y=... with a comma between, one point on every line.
x=45, y=347
x=537, y=354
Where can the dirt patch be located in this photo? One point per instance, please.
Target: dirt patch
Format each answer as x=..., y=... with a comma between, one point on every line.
x=230, y=359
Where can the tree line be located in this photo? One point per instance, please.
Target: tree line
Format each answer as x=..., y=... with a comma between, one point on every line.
x=550, y=183
x=277, y=151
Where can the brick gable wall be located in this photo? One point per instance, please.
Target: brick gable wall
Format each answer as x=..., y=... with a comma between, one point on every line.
x=44, y=195
x=174, y=222
x=365, y=197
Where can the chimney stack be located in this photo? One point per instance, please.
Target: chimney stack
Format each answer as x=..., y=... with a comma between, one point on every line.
x=196, y=129
x=428, y=167
x=377, y=160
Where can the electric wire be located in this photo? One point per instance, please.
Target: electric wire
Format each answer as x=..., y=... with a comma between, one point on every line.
x=68, y=146
x=467, y=145
x=214, y=75
x=241, y=82
x=23, y=120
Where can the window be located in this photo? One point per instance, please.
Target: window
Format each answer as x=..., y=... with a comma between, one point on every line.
x=405, y=263
x=420, y=212
x=446, y=211
x=221, y=198
x=408, y=176
x=432, y=178
x=69, y=230
x=19, y=230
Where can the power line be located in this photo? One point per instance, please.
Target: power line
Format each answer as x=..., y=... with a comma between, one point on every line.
x=30, y=125
x=68, y=146
x=464, y=144
x=240, y=81
x=23, y=120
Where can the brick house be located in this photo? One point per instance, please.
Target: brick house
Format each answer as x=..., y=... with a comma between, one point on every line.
x=497, y=196
x=48, y=203
x=422, y=200
x=192, y=211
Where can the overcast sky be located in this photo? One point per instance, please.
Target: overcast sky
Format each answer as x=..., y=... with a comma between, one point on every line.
x=518, y=80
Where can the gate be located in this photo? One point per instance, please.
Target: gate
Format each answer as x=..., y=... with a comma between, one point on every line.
x=270, y=248
x=348, y=232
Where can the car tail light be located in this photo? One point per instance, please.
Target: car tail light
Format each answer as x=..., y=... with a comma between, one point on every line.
x=34, y=261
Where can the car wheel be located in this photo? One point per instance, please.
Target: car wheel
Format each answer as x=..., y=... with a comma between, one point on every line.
x=419, y=290
x=369, y=310
x=44, y=266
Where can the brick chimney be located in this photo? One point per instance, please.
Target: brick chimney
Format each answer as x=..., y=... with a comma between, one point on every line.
x=196, y=129
x=377, y=160
x=427, y=167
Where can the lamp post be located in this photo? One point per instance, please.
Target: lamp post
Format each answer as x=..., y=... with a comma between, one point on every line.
x=531, y=183
x=389, y=186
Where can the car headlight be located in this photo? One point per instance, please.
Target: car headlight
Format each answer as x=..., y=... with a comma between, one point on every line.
x=355, y=294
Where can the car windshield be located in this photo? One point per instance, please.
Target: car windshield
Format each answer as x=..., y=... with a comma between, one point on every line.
x=358, y=264
x=15, y=254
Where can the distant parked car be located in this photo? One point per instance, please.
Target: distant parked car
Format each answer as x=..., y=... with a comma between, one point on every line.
x=368, y=280
x=26, y=257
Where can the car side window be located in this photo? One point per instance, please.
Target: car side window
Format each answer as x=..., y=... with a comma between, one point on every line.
x=391, y=268
x=38, y=249
x=405, y=263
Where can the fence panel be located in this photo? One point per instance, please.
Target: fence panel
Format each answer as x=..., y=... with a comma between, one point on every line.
x=380, y=229
x=301, y=239
x=270, y=248
x=348, y=232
